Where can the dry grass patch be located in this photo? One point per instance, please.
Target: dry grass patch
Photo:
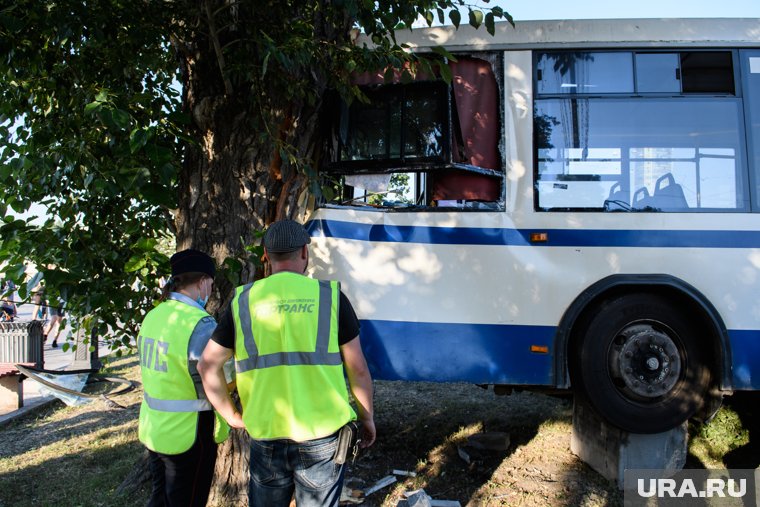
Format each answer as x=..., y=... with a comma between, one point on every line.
x=73, y=455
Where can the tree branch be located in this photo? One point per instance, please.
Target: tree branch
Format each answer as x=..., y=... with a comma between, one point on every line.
x=217, y=48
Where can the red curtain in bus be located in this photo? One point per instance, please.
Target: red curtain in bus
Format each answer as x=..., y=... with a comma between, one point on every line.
x=475, y=140
x=476, y=95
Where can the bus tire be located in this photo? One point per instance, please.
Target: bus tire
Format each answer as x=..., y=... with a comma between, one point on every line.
x=641, y=365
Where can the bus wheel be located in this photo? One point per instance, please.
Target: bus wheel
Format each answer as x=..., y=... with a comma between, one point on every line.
x=640, y=364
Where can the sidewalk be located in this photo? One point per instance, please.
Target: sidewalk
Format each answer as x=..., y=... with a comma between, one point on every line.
x=55, y=359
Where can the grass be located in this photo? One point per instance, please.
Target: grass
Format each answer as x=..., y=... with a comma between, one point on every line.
x=726, y=436
x=78, y=456
x=74, y=456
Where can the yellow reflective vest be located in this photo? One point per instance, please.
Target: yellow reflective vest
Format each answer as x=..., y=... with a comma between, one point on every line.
x=170, y=406
x=289, y=368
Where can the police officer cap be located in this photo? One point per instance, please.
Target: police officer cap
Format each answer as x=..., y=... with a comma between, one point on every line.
x=285, y=236
x=192, y=261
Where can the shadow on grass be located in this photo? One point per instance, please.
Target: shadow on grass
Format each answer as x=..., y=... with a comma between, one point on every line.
x=114, y=365
x=747, y=407
x=47, y=427
x=79, y=477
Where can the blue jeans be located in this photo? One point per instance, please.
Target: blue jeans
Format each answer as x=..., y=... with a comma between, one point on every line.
x=280, y=467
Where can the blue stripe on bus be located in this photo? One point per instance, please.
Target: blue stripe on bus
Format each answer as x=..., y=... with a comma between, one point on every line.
x=745, y=352
x=496, y=354
x=521, y=237
x=475, y=353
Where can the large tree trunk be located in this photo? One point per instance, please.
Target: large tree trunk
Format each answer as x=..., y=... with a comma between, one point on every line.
x=230, y=485
x=234, y=183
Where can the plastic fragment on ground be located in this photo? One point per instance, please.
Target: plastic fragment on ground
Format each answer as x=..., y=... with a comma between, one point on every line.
x=417, y=496
x=385, y=481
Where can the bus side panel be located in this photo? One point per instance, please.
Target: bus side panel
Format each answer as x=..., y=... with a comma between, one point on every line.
x=745, y=352
x=446, y=352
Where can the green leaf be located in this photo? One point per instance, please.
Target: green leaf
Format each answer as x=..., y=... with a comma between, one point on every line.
x=476, y=18
x=15, y=272
x=429, y=18
x=135, y=263
x=167, y=172
x=158, y=154
x=137, y=139
x=120, y=118
x=33, y=281
x=446, y=73
x=106, y=116
x=498, y=12
x=145, y=244
x=233, y=264
x=490, y=28
x=440, y=50
x=265, y=64
x=456, y=17
x=92, y=107
x=328, y=193
x=159, y=195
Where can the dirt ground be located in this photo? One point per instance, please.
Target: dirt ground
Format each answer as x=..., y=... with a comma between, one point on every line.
x=421, y=427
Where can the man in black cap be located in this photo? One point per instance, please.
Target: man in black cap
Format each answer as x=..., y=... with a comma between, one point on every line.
x=177, y=422
x=291, y=336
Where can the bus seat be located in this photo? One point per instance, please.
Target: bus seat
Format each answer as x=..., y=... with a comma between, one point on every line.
x=618, y=198
x=668, y=195
x=642, y=199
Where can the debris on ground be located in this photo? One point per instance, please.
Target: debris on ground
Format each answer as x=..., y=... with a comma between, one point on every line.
x=404, y=473
x=385, y=481
x=480, y=445
x=419, y=498
x=415, y=499
x=353, y=491
x=351, y=496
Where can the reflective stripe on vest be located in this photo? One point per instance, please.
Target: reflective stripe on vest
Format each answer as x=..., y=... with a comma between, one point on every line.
x=168, y=419
x=177, y=405
x=320, y=356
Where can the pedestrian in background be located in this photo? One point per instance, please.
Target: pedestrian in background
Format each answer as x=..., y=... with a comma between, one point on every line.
x=40, y=311
x=177, y=423
x=8, y=310
x=291, y=337
x=55, y=324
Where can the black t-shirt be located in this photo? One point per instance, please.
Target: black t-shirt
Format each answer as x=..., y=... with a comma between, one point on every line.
x=348, y=325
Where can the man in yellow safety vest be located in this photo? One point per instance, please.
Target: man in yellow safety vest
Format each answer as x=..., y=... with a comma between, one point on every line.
x=291, y=337
x=177, y=422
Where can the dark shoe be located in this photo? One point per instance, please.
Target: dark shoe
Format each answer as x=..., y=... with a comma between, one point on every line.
x=55, y=344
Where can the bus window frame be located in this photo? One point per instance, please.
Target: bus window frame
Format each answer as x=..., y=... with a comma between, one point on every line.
x=745, y=169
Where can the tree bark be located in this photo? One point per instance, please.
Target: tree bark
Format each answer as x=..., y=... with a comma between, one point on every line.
x=234, y=180
x=230, y=486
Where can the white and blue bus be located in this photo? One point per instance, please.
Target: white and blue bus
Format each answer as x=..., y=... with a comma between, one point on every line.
x=582, y=212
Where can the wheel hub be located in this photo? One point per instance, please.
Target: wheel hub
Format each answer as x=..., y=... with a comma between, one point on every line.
x=648, y=361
